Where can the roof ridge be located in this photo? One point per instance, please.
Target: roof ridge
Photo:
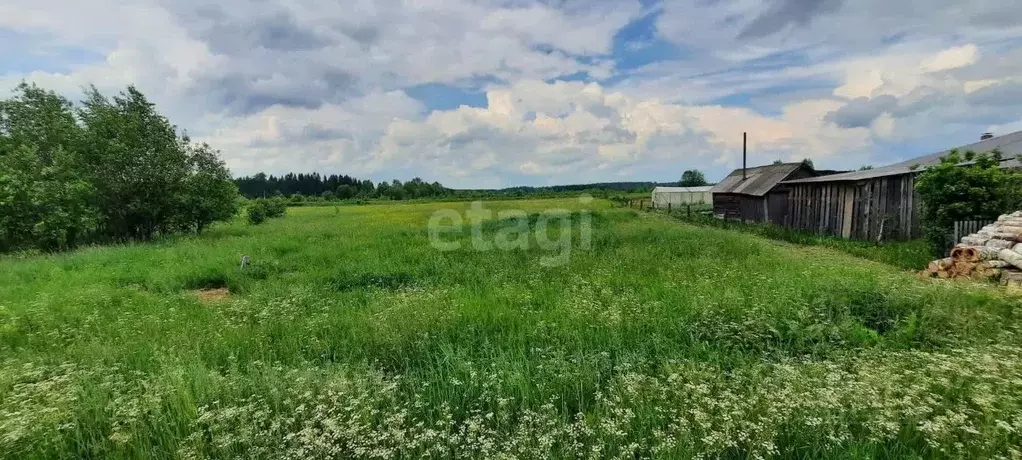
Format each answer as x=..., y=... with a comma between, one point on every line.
x=1005, y=141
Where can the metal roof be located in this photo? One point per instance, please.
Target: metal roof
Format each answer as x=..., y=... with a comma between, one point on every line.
x=759, y=180
x=1010, y=146
x=703, y=189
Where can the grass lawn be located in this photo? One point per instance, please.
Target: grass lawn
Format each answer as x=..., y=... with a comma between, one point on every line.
x=351, y=336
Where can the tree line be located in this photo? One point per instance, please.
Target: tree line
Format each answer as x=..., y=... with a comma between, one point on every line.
x=106, y=169
x=343, y=187
x=300, y=187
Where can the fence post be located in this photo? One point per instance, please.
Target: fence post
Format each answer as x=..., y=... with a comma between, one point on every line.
x=688, y=210
x=668, y=208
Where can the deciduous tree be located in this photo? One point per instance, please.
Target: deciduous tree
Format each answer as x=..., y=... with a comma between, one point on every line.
x=692, y=178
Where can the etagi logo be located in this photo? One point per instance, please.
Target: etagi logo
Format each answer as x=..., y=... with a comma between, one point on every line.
x=552, y=232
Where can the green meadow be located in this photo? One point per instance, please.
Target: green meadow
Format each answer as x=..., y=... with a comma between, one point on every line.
x=349, y=335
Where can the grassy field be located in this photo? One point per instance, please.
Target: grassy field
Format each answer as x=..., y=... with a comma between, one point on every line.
x=909, y=255
x=351, y=336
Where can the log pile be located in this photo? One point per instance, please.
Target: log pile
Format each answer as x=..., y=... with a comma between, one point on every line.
x=994, y=253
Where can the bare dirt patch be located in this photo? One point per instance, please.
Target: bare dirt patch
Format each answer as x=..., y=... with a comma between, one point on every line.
x=213, y=295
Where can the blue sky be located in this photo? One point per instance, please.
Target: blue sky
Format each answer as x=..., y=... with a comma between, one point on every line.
x=487, y=93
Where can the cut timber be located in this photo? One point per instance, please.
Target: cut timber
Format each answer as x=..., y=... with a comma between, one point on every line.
x=1010, y=275
x=985, y=253
x=975, y=240
x=999, y=235
x=945, y=263
x=1011, y=257
x=995, y=263
x=965, y=253
x=964, y=268
x=991, y=252
x=1000, y=244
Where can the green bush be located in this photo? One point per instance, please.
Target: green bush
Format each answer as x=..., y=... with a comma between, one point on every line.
x=261, y=209
x=257, y=212
x=951, y=191
x=275, y=207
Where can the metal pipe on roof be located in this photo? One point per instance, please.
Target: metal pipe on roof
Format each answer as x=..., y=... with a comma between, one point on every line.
x=745, y=139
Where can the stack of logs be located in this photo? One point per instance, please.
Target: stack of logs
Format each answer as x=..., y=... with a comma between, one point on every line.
x=992, y=253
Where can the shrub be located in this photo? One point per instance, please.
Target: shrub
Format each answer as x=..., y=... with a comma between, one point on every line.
x=257, y=212
x=951, y=192
x=261, y=209
x=275, y=207
x=345, y=191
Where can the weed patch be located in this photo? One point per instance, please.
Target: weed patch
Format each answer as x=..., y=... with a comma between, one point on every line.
x=388, y=281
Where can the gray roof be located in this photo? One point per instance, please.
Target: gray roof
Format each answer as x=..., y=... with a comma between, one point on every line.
x=1010, y=146
x=759, y=180
x=703, y=189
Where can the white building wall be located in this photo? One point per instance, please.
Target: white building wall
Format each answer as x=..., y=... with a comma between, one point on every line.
x=661, y=199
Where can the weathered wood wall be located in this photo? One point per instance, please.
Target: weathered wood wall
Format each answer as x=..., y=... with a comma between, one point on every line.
x=778, y=205
x=739, y=207
x=885, y=208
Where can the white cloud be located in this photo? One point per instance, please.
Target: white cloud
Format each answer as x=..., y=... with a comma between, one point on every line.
x=565, y=129
x=952, y=58
x=307, y=85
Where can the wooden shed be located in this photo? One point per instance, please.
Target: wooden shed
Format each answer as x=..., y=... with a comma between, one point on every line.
x=756, y=194
x=876, y=204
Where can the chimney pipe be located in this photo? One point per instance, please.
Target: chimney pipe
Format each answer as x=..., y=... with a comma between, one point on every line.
x=986, y=136
x=745, y=140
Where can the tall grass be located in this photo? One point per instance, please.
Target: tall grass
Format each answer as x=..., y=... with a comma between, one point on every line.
x=350, y=336
x=909, y=255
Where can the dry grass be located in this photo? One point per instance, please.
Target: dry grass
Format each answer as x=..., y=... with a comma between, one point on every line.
x=215, y=295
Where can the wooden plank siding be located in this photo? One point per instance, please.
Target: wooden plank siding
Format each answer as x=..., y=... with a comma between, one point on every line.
x=884, y=208
x=733, y=206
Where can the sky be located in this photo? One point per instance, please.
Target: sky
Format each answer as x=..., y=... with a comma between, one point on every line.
x=490, y=93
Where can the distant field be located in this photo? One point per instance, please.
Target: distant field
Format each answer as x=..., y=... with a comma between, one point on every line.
x=351, y=336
